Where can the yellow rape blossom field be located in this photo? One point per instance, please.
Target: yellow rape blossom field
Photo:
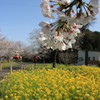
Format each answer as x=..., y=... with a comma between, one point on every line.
x=63, y=83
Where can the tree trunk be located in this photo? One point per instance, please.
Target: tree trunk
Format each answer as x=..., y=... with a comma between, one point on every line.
x=0, y=66
x=86, y=57
x=44, y=61
x=54, y=58
x=59, y=58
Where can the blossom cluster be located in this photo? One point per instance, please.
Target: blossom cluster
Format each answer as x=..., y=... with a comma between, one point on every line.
x=61, y=34
x=58, y=40
x=66, y=83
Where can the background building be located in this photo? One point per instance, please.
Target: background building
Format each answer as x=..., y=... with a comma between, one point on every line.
x=93, y=57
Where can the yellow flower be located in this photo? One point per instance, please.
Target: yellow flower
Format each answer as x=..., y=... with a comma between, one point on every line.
x=6, y=97
x=73, y=87
x=91, y=98
x=78, y=91
x=11, y=94
x=53, y=84
x=87, y=95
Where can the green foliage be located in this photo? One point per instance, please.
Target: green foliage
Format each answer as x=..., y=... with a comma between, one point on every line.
x=91, y=40
x=41, y=66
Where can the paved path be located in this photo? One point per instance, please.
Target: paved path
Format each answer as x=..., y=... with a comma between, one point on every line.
x=7, y=70
x=3, y=73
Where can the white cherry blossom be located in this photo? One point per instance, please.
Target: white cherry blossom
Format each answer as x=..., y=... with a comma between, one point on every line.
x=94, y=6
x=66, y=1
x=46, y=9
x=62, y=33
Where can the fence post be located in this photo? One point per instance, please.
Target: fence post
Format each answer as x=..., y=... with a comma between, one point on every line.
x=32, y=67
x=0, y=67
x=22, y=67
x=11, y=68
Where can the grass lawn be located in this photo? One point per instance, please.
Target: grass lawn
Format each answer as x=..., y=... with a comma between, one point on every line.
x=7, y=64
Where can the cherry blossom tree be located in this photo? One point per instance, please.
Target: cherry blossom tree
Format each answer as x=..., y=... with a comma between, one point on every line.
x=68, y=17
x=2, y=44
x=38, y=49
x=15, y=48
x=10, y=48
x=33, y=38
x=27, y=51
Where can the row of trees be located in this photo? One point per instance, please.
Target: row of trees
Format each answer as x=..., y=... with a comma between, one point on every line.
x=71, y=16
x=61, y=34
x=13, y=48
x=88, y=40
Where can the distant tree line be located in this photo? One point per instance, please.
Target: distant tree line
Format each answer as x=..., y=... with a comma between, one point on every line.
x=87, y=40
x=90, y=41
